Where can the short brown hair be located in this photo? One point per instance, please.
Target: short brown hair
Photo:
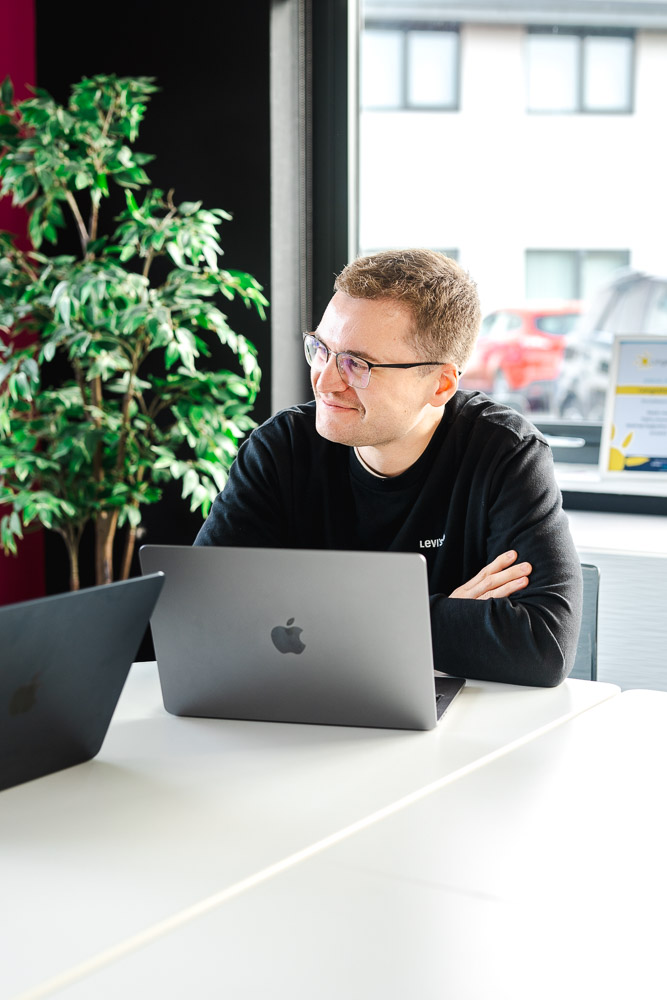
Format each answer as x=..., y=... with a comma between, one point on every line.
x=442, y=296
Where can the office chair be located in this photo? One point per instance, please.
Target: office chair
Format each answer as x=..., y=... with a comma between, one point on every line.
x=586, y=662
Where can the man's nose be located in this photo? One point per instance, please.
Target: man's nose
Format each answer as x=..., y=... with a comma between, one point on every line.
x=329, y=379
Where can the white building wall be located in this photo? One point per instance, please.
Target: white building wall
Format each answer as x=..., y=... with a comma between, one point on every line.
x=492, y=180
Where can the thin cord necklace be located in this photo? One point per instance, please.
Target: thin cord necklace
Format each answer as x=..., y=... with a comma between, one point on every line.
x=366, y=466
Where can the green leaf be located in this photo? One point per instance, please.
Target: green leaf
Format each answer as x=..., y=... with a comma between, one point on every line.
x=211, y=257
x=190, y=483
x=127, y=253
x=35, y=227
x=131, y=202
x=49, y=350
x=131, y=514
x=19, y=387
x=7, y=92
x=171, y=355
x=175, y=253
x=189, y=207
x=26, y=190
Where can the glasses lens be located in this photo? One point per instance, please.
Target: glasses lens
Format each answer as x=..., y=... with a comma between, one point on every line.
x=354, y=371
x=316, y=353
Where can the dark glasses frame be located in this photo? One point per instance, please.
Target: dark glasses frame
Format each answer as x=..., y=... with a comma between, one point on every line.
x=309, y=339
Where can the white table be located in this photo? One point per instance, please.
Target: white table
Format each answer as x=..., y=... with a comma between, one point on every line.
x=177, y=813
x=541, y=874
x=636, y=533
x=581, y=478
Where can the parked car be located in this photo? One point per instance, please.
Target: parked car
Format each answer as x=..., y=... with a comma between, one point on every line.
x=630, y=301
x=520, y=349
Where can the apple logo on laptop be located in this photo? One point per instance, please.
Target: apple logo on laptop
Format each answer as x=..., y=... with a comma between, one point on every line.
x=24, y=697
x=287, y=638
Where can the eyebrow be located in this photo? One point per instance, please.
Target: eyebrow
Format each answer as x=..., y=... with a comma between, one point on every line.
x=363, y=355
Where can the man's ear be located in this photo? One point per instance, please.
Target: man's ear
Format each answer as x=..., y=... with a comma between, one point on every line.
x=448, y=383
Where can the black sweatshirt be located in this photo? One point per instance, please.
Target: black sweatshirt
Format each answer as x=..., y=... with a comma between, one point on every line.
x=484, y=485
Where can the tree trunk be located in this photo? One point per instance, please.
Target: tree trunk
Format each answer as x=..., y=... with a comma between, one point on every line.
x=105, y=532
x=128, y=552
x=71, y=539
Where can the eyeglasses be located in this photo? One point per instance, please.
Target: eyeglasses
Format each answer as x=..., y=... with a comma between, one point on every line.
x=354, y=371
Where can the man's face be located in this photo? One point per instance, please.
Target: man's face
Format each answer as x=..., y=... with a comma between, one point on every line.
x=396, y=402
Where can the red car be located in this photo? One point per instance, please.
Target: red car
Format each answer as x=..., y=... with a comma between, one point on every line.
x=520, y=346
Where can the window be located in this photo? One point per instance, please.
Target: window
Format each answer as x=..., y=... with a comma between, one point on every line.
x=579, y=71
x=499, y=323
x=570, y=274
x=539, y=205
x=558, y=323
x=404, y=66
x=656, y=320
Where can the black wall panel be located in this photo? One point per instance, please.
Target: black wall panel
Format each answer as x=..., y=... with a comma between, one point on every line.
x=209, y=130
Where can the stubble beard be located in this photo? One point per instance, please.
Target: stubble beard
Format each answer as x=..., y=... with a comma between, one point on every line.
x=334, y=430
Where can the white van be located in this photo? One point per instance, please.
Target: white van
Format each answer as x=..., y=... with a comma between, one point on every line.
x=630, y=302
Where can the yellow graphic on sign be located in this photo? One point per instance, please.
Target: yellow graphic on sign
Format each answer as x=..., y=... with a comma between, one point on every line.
x=641, y=390
x=617, y=460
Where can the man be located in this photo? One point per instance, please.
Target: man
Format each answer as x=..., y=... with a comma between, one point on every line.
x=391, y=455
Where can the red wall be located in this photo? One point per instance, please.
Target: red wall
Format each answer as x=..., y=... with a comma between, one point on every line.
x=22, y=577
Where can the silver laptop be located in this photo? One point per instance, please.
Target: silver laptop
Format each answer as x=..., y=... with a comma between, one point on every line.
x=293, y=635
x=63, y=663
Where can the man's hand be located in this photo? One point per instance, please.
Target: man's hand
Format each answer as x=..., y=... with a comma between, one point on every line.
x=499, y=579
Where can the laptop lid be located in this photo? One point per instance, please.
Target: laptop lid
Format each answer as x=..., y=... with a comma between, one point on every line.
x=63, y=663
x=293, y=635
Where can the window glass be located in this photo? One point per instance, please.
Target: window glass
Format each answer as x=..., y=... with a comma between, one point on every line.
x=381, y=68
x=570, y=274
x=553, y=72
x=608, y=69
x=559, y=324
x=656, y=320
x=578, y=71
x=527, y=164
x=488, y=325
x=597, y=266
x=512, y=321
x=628, y=310
x=551, y=274
x=500, y=323
x=432, y=68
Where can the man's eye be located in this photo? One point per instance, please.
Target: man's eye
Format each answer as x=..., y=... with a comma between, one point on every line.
x=355, y=364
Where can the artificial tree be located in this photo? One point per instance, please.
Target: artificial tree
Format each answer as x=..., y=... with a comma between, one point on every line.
x=109, y=384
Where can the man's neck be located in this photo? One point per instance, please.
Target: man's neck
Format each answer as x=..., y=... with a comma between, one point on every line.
x=397, y=457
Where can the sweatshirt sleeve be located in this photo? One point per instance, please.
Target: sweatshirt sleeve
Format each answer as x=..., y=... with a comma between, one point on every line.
x=250, y=509
x=531, y=637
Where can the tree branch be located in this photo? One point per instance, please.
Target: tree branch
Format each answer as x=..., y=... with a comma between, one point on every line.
x=97, y=162
x=96, y=400
x=80, y=224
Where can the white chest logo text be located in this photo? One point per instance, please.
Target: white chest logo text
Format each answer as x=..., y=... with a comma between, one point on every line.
x=432, y=543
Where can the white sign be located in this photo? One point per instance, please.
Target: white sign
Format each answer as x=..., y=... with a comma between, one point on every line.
x=634, y=434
